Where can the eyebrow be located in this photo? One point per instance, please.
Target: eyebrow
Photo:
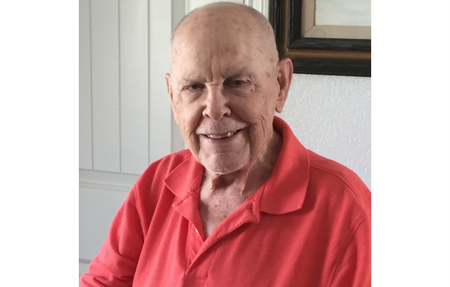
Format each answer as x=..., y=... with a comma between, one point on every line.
x=229, y=72
x=233, y=71
x=192, y=76
x=191, y=80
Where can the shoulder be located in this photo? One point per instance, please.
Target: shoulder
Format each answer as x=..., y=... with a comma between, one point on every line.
x=331, y=168
x=152, y=181
x=337, y=181
x=150, y=185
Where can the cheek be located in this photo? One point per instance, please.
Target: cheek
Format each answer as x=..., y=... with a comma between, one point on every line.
x=255, y=110
x=259, y=114
x=186, y=115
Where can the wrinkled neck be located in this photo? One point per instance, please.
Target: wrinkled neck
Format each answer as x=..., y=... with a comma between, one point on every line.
x=248, y=179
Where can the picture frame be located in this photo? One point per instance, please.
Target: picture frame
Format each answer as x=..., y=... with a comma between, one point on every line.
x=314, y=55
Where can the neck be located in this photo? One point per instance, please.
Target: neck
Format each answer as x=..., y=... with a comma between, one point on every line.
x=246, y=181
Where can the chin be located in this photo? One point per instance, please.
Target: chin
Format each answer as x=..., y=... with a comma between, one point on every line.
x=224, y=165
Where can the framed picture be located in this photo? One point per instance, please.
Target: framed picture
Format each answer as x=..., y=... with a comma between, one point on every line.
x=326, y=37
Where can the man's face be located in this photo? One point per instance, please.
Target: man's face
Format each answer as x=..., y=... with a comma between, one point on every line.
x=224, y=92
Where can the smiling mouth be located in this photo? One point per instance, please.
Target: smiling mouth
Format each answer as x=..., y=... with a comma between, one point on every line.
x=221, y=136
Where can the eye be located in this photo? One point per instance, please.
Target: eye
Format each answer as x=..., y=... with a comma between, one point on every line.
x=194, y=87
x=235, y=82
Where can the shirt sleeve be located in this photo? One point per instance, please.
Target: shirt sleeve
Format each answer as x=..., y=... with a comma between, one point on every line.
x=116, y=262
x=354, y=262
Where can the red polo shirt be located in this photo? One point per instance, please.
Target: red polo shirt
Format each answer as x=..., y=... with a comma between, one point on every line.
x=308, y=225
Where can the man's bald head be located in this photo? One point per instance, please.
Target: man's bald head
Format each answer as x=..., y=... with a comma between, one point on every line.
x=222, y=20
x=228, y=8
x=225, y=79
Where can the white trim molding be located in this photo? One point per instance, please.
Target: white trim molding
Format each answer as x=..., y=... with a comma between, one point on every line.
x=103, y=185
x=106, y=180
x=83, y=266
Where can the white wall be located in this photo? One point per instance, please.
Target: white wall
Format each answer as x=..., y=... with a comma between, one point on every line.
x=125, y=115
x=331, y=116
x=126, y=121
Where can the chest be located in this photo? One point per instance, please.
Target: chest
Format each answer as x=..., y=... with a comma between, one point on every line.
x=214, y=210
x=248, y=249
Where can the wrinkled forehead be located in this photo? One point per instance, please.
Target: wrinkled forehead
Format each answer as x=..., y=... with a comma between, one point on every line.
x=203, y=44
x=230, y=39
x=227, y=58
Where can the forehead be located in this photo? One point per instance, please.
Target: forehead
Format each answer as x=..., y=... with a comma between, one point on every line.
x=223, y=35
x=232, y=46
x=202, y=61
x=224, y=48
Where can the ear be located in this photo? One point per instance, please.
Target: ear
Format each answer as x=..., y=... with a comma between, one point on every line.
x=169, y=89
x=284, y=78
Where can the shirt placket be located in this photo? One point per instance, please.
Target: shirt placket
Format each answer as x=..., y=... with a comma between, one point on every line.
x=195, y=242
x=201, y=252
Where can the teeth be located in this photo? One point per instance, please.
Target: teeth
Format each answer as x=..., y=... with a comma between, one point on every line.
x=221, y=136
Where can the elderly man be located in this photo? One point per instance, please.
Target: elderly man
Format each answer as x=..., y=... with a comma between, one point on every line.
x=247, y=204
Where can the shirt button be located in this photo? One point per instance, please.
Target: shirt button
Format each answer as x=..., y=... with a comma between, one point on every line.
x=196, y=230
x=250, y=207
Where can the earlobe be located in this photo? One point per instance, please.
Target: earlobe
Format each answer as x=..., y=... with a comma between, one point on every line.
x=284, y=78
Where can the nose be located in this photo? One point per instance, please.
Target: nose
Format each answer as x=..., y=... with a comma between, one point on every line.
x=216, y=104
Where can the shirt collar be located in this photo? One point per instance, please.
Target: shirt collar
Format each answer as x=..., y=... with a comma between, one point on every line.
x=283, y=192
x=285, y=189
x=185, y=179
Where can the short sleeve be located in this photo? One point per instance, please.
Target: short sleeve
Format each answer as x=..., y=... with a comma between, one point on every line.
x=353, y=267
